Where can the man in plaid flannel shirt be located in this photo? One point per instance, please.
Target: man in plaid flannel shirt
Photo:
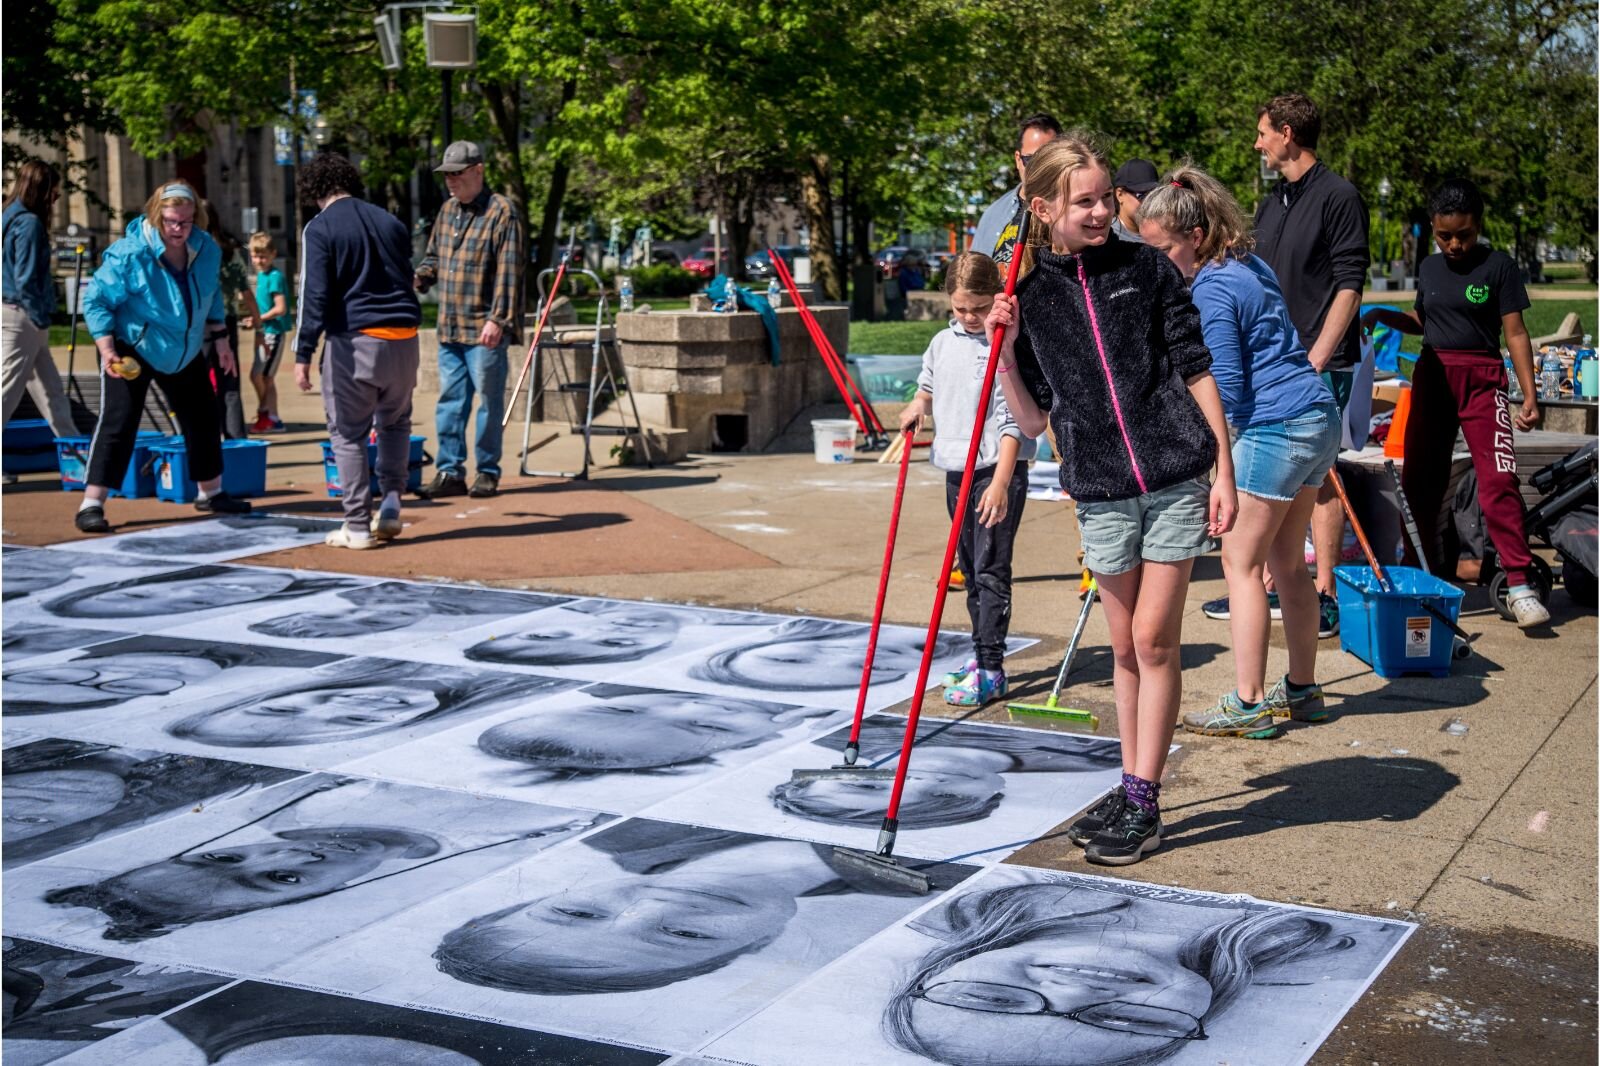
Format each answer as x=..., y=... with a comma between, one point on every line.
x=475, y=255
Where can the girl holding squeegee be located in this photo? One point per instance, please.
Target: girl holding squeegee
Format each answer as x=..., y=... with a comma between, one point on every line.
x=1287, y=427
x=1108, y=349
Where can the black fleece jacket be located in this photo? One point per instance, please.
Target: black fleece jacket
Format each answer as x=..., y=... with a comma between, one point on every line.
x=1114, y=382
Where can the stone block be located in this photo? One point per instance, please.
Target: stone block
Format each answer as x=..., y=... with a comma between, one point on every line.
x=926, y=306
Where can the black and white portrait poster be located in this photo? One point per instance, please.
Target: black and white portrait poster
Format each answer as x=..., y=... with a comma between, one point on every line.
x=595, y=639
x=34, y=577
x=646, y=932
x=817, y=661
x=973, y=791
x=153, y=601
x=59, y=1002
x=253, y=1024
x=321, y=719
x=251, y=883
x=56, y=795
x=372, y=616
x=214, y=540
x=113, y=679
x=25, y=639
x=616, y=748
x=1023, y=967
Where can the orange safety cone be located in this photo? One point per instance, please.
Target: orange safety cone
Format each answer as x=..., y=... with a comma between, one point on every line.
x=1394, y=445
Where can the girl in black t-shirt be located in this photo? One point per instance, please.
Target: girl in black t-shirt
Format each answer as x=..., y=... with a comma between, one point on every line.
x=1467, y=295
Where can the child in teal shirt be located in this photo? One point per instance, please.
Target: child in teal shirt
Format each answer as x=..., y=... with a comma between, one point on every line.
x=272, y=296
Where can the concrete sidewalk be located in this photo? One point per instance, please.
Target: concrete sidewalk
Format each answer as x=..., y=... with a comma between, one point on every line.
x=1467, y=803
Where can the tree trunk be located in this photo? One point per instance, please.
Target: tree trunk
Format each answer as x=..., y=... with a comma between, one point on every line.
x=505, y=108
x=816, y=196
x=559, y=174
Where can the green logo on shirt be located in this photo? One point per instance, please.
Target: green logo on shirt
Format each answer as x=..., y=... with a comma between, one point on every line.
x=1477, y=294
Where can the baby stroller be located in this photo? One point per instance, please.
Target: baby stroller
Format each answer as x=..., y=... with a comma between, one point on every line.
x=1564, y=519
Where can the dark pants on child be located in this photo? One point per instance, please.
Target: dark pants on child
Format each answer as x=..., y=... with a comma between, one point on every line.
x=985, y=556
x=366, y=385
x=1468, y=392
x=230, y=409
x=122, y=404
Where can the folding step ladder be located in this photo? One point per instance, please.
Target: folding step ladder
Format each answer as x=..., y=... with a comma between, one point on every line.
x=608, y=381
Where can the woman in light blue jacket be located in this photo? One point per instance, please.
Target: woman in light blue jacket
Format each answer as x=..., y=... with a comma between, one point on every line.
x=151, y=307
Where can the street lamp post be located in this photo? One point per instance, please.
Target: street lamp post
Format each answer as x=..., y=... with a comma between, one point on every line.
x=452, y=44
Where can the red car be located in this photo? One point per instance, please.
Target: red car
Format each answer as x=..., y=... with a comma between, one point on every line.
x=701, y=264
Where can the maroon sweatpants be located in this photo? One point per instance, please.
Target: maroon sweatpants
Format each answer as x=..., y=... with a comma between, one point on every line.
x=1468, y=391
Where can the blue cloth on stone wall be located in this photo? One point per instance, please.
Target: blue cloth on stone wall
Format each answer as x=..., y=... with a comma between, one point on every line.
x=750, y=301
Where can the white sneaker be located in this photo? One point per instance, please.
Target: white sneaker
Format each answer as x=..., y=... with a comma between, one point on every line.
x=343, y=538
x=386, y=528
x=1524, y=604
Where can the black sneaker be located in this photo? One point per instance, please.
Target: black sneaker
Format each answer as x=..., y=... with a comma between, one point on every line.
x=1327, y=617
x=92, y=520
x=443, y=485
x=1125, y=841
x=222, y=503
x=1095, y=818
x=484, y=486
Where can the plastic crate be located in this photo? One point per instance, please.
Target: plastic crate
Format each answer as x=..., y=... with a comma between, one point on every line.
x=244, y=470
x=414, y=464
x=1390, y=631
x=27, y=446
x=886, y=378
x=72, y=459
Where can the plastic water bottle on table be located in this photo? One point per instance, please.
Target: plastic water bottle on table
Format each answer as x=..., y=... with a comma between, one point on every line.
x=774, y=292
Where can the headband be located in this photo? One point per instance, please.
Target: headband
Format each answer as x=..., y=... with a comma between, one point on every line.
x=1178, y=185
x=177, y=192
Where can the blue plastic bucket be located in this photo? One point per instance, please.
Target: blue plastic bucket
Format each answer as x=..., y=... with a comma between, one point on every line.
x=72, y=459
x=414, y=464
x=1390, y=631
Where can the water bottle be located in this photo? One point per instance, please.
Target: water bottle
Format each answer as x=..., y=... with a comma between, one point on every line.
x=774, y=293
x=1513, y=387
x=730, y=298
x=1550, y=377
x=625, y=291
x=1586, y=374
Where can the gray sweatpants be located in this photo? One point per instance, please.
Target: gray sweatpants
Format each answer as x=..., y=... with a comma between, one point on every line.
x=366, y=385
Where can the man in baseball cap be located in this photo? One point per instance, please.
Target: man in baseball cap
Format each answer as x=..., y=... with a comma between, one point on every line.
x=1133, y=179
x=475, y=257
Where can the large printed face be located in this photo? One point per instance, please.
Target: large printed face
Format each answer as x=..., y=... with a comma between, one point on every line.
x=987, y=1008
x=311, y=716
x=43, y=801
x=181, y=596
x=97, y=682
x=569, y=636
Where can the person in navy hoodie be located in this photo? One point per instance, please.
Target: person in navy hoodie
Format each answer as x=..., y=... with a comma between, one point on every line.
x=1109, y=349
x=151, y=307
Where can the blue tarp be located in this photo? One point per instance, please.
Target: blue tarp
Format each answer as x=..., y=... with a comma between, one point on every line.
x=1385, y=342
x=750, y=301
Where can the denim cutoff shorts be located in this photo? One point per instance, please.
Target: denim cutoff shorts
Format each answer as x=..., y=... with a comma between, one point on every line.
x=1164, y=526
x=1277, y=460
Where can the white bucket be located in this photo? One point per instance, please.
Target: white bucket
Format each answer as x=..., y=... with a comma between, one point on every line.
x=834, y=440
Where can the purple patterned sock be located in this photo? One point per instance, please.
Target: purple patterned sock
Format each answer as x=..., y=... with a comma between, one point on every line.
x=1146, y=794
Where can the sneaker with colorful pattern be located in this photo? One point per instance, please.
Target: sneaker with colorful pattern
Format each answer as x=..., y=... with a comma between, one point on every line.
x=955, y=677
x=1296, y=703
x=1229, y=717
x=977, y=688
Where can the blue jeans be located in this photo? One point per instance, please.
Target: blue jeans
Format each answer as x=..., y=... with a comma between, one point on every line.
x=465, y=369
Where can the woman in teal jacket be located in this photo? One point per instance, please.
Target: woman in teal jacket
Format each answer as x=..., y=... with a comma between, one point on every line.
x=151, y=307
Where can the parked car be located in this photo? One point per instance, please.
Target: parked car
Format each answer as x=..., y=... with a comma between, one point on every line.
x=757, y=265
x=664, y=257
x=890, y=260
x=938, y=261
x=702, y=264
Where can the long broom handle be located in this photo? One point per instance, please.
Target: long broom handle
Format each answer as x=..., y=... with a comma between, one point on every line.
x=820, y=338
x=870, y=424
x=538, y=331
x=1406, y=516
x=854, y=744
x=892, y=816
x=1072, y=645
x=1361, y=534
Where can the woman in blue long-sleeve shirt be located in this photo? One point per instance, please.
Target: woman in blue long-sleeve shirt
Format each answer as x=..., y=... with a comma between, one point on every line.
x=154, y=302
x=1286, y=430
x=30, y=297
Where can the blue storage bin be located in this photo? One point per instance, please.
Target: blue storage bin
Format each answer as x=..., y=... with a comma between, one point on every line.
x=173, y=482
x=72, y=458
x=1390, y=631
x=244, y=468
x=414, y=464
x=27, y=446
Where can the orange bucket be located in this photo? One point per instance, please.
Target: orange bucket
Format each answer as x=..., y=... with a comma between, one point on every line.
x=1394, y=445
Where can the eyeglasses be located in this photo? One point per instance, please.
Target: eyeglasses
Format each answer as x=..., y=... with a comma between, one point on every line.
x=1115, y=1016
x=87, y=677
x=1026, y=159
x=177, y=223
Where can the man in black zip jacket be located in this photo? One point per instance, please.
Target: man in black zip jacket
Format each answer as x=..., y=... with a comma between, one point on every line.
x=1312, y=230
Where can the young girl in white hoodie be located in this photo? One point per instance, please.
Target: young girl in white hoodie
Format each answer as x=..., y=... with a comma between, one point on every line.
x=949, y=387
